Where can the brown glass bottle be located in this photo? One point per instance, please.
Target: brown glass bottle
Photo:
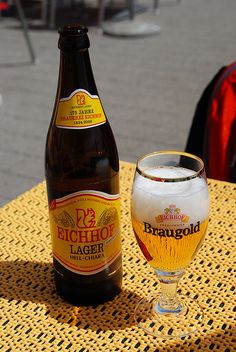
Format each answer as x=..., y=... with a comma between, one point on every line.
x=81, y=156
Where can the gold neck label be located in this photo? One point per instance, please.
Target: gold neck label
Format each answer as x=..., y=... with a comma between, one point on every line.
x=80, y=110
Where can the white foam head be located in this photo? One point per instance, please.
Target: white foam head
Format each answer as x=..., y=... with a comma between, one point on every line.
x=150, y=197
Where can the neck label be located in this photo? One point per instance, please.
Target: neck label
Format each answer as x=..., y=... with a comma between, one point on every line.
x=80, y=110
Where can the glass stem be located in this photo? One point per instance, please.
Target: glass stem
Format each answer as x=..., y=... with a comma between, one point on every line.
x=168, y=301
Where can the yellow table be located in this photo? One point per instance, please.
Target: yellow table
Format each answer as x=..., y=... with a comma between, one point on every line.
x=34, y=318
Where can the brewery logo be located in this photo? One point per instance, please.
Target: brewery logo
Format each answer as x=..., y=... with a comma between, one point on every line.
x=85, y=221
x=80, y=99
x=86, y=218
x=170, y=214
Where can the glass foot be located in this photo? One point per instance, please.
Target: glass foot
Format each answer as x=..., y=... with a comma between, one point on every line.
x=168, y=325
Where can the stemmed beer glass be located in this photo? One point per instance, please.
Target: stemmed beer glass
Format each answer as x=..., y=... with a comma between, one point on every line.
x=169, y=209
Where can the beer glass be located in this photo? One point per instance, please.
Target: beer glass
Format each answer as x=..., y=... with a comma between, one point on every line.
x=169, y=210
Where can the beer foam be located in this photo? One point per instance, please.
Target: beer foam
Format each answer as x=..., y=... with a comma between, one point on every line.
x=150, y=198
x=170, y=172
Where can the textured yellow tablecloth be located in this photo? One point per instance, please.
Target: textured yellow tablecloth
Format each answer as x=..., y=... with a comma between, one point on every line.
x=34, y=318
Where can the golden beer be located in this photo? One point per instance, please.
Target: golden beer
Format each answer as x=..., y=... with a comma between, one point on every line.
x=169, y=248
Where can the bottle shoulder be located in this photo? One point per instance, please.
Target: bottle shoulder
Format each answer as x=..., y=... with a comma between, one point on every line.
x=95, y=139
x=81, y=154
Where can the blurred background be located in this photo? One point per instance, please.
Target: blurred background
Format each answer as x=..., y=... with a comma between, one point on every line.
x=149, y=85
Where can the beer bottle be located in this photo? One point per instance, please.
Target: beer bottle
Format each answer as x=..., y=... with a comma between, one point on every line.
x=82, y=176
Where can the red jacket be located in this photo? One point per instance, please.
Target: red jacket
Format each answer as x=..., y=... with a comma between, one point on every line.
x=220, y=134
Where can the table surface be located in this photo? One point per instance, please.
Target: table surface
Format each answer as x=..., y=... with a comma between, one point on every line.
x=34, y=318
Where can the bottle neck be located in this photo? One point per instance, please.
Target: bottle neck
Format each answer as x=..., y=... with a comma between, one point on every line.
x=75, y=73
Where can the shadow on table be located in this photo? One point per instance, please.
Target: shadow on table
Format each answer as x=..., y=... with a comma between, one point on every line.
x=221, y=340
x=33, y=282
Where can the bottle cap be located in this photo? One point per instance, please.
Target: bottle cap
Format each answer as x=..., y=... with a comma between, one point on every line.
x=73, y=38
x=73, y=30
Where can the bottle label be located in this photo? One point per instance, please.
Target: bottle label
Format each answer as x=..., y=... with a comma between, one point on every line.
x=80, y=110
x=85, y=229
